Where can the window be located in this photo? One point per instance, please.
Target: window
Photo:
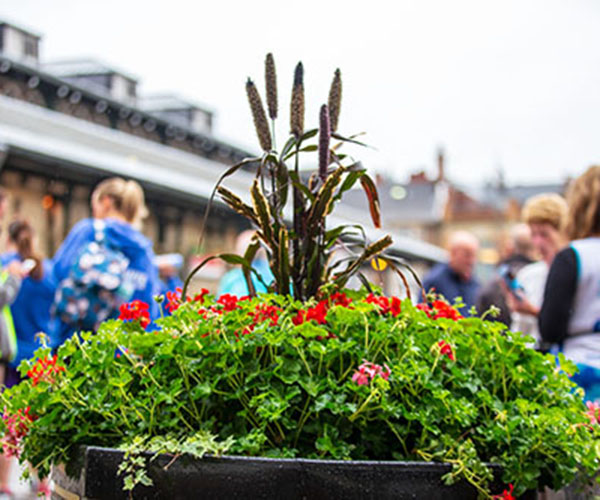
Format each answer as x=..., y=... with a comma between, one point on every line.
x=30, y=47
x=131, y=89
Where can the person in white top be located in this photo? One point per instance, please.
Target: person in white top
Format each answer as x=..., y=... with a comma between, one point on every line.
x=570, y=313
x=545, y=214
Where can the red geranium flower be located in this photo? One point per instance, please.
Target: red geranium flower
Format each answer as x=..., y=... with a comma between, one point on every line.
x=445, y=310
x=440, y=309
x=262, y=312
x=340, y=299
x=136, y=310
x=174, y=298
x=228, y=301
x=386, y=305
x=506, y=494
x=446, y=350
x=425, y=308
x=173, y=302
x=45, y=370
x=316, y=313
x=199, y=297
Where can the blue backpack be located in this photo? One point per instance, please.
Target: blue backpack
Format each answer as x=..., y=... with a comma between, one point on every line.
x=97, y=284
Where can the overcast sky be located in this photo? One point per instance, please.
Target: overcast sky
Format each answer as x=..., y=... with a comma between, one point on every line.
x=511, y=83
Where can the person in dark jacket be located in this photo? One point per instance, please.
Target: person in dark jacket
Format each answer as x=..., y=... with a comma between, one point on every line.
x=493, y=293
x=455, y=279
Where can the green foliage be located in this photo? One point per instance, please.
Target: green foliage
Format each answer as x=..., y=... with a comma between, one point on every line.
x=271, y=376
x=134, y=465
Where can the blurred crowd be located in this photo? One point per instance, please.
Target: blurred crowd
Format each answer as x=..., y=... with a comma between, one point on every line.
x=548, y=286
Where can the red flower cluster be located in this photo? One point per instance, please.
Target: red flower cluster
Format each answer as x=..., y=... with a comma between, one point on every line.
x=440, y=309
x=174, y=298
x=136, y=310
x=425, y=308
x=386, y=305
x=506, y=494
x=45, y=370
x=17, y=427
x=316, y=313
x=368, y=371
x=319, y=311
x=445, y=310
x=262, y=312
x=229, y=302
x=340, y=299
x=446, y=350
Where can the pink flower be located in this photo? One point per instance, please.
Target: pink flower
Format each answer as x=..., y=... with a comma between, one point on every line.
x=360, y=378
x=367, y=371
x=593, y=412
x=17, y=427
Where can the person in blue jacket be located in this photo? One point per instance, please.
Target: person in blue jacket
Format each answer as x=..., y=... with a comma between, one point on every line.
x=119, y=205
x=31, y=308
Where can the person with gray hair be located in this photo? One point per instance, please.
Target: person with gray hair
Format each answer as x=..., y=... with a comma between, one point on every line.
x=455, y=279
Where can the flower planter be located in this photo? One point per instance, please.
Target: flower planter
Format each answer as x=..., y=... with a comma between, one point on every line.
x=250, y=477
x=307, y=369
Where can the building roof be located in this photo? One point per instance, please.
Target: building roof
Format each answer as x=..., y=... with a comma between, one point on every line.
x=83, y=67
x=21, y=29
x=498, y=196
x=403, y=204
x=160, y=102
x=204, y=143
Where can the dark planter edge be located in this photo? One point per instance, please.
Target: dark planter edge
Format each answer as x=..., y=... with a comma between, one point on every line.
x=262, y=477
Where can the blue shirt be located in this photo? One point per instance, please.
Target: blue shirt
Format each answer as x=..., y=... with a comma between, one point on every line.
x=451, y=285
x=31, y=309
x=234, y=282
x=123, y=237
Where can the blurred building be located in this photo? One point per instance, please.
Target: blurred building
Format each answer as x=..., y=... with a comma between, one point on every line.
x=64, y=126
x=431, y=208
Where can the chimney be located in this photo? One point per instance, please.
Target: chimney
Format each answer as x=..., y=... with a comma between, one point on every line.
x=418, y=178
x=178, y=111
x=440, y=165
x=19, y=44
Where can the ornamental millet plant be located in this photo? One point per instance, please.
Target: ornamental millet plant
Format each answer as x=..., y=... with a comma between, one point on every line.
x=299, y=245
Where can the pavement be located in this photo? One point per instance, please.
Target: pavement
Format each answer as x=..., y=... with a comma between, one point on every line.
x=20, y=488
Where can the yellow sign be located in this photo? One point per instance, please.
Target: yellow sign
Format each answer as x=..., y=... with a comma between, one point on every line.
x=378, y=264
